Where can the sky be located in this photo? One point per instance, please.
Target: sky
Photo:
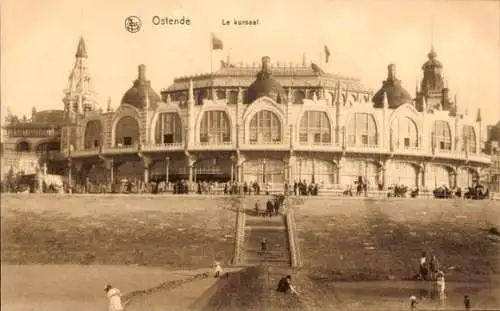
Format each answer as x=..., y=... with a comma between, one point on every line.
x=39, y=40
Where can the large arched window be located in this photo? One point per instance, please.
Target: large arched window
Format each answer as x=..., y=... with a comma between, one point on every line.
x=404, y=133
x=93, y=132
x=314, y=128
x=469, y=139
x=214, y=128
x=23, y=146
x=441, y=135
x=265, y=127
x=127, y=132
x=362, y=130
x=168, y=128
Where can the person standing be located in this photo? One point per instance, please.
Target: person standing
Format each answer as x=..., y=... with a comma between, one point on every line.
x=423, y=266
x=413, y=302
x=440, y=285
x=263, y=244
x=467, y=302
x=433, y=266
x=218, y=269
x=114, y=297
x=276, y=207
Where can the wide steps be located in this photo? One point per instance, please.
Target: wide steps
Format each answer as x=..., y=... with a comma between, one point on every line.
x=276, y=221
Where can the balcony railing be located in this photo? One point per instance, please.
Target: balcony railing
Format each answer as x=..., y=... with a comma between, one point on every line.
x=120, y=149
x=366, y=148
x=83, y=152
x=164, y=146
x=266, y=142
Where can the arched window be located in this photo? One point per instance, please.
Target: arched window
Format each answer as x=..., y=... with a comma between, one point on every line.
x=127, y=132
x=299, y=97
x=441, y=135
x=314, y=128
x=469, y=139
x=93, y=132
x=23, y=146
x=265, y=128
x=168, y=128
x=362, y=130
x=214, y=128
x=404, y=133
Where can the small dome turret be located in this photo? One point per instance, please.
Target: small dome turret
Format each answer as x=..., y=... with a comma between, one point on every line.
x=141, y=95
x=265, y=85
x=396, y=94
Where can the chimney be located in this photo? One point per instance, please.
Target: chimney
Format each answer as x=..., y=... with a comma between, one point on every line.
x=391, y=72
x=142, y=72
x=266, y=60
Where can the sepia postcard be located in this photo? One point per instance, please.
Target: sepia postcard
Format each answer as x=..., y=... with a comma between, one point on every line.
x=250, y=155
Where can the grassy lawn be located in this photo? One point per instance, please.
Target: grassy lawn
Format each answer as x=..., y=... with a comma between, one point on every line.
x=381, y=239
x=173, y=232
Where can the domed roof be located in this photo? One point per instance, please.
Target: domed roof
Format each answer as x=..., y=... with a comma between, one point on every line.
x=141, y=95
x=432, y=62
x=265, y=85
x=396, y=94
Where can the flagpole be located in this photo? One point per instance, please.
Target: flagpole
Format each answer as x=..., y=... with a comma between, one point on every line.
x=211, y=52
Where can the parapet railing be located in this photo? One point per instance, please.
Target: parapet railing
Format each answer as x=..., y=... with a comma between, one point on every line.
x=239, y=240
x=292, y=236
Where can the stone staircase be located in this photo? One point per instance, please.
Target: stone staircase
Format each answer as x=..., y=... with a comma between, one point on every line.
x=275, y=232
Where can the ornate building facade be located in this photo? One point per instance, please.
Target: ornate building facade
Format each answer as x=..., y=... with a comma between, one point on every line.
x=272, y=123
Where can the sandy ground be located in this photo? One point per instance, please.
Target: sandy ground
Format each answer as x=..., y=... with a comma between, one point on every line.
x=65, y=246
x=76, y=287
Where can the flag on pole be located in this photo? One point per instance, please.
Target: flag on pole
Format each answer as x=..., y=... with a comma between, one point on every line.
x=327, y=54
x=216, y=43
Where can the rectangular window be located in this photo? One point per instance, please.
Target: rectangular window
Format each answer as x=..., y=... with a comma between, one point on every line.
x=317, y=137
x=168, y=138
x=303, y=137
x=407, y=142
x=203, y=138
x=326, y=138
x=96, y=143
x=127, y=141
x=442, y=145
x=364, y=139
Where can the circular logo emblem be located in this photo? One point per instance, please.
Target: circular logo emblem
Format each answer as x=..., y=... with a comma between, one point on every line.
x=133, y=24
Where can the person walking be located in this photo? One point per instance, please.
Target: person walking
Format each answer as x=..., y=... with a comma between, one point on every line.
x=114, y=298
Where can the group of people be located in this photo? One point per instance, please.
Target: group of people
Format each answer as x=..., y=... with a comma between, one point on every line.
x=272, y=207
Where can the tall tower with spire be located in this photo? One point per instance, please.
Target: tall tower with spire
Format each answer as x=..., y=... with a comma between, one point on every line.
x=78, y=95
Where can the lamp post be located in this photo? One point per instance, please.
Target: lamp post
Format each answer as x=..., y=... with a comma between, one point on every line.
x=286, y=176
x=264, y=171
x=70, y=165
x=167, y=167
x=233, y=158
